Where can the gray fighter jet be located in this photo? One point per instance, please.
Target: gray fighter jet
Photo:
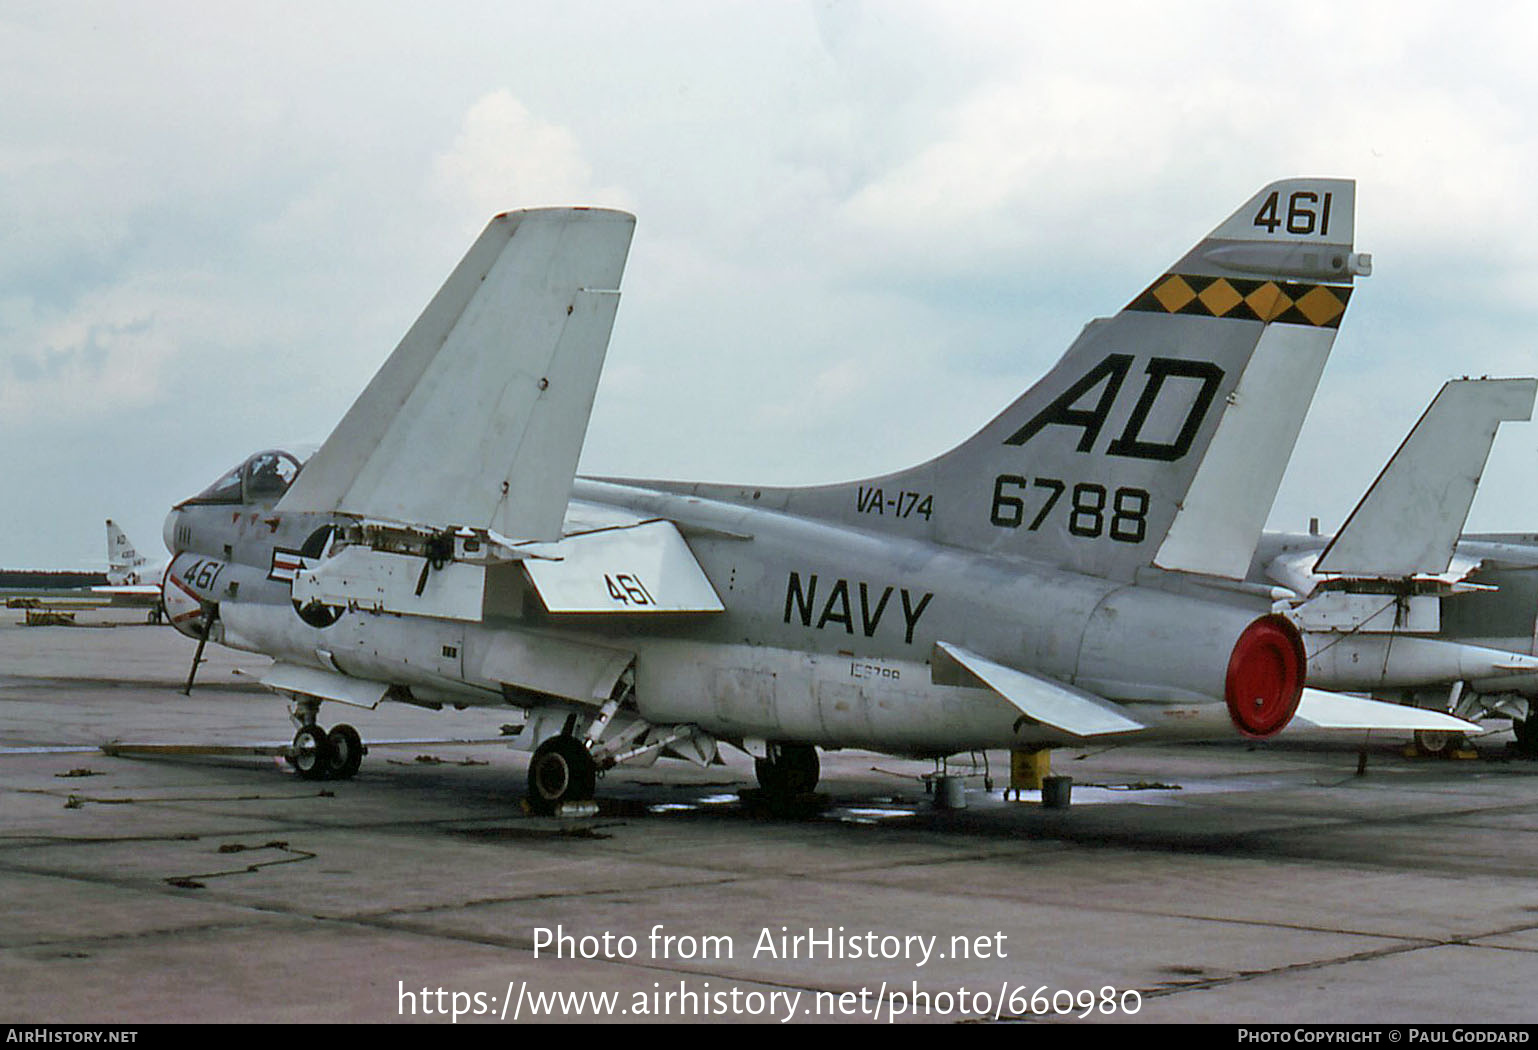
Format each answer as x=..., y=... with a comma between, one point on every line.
x=1398, y=575
x=1073, y=572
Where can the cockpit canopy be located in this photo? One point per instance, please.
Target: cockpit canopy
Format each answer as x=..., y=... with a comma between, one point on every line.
x=263, y=478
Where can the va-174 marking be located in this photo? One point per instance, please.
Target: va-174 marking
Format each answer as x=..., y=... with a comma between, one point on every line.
x=900, y=504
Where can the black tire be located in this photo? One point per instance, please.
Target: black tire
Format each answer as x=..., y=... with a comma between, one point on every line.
x=1437, y=742
x=1526, y=730
x=347, y=752
x=790, y=769
x=311, y=754
x=560, y=771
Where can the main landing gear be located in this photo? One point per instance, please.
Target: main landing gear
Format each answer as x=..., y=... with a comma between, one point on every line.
x=1526, y=731
x=1438, y=743
x=787, y=783
x=562, y=770
x=321, y=755
x=789, y=770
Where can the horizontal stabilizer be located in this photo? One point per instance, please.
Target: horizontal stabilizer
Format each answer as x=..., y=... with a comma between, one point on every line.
x=1046, y=701
x=478, y=417
x=310, y=681
x=138, y=590
x=1410, y=518
x=647, y=568
x=1341, y=711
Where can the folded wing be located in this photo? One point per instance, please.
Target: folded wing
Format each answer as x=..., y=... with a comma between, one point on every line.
x=449, y=434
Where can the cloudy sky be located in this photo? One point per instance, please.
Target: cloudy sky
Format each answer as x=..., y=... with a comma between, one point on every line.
x=863, y=227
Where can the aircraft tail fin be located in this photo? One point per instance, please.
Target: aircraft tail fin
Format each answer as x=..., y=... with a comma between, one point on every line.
x=477, y=419
x=122, y=558
x=1161, y=435
x=1409, y=520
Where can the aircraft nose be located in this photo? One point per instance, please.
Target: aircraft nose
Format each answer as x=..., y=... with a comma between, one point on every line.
x=169, y=531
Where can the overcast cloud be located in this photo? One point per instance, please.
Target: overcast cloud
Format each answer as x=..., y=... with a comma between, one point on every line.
x=863, y=228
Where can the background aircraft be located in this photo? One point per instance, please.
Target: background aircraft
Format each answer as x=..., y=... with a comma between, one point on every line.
x=132, y=579
x=1398, y=574
x=1072, y=572
x=125, y=565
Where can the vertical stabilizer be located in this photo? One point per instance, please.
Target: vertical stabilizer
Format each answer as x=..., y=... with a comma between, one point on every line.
x=1409, y=520
x=1161, y=435
x=122, y=558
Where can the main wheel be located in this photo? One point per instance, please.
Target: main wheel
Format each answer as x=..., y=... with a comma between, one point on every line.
x=560, y=771
x=347, y=752
x=790, y=769
x=1526, y=730
x=1433, y=742
x=311, y=754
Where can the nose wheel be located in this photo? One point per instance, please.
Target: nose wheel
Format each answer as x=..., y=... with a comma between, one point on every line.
x=320, y=755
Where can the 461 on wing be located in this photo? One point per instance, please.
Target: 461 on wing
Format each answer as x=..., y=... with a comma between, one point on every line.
x=1125, y=519
x=628, y=589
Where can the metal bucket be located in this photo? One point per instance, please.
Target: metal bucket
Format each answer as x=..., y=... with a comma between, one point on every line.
x=1055, y=792
x=951, y=793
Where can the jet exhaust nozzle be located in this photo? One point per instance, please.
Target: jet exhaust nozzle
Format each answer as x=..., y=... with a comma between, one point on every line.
x=1266, y=674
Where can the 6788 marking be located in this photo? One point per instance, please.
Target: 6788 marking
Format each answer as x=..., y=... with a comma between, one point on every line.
x=1091, y=510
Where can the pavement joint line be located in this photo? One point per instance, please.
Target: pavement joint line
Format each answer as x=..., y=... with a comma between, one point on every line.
x=1504, y=948
x=107, y=940
x=294, y=856
x=1004, y=898
x=1422, y=944
x=39, y=842
x=75, y=799
x=490, y=902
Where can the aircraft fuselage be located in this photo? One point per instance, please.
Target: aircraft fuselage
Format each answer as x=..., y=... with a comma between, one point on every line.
x=827, y=634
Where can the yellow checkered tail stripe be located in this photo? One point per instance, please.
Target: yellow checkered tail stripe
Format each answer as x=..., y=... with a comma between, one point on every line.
x=1285, y=302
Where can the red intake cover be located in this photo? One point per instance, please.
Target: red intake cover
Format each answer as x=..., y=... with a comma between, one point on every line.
x=1265, y=676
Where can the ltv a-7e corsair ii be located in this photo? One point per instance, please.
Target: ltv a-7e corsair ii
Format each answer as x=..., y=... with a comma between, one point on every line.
x=1071, y=573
